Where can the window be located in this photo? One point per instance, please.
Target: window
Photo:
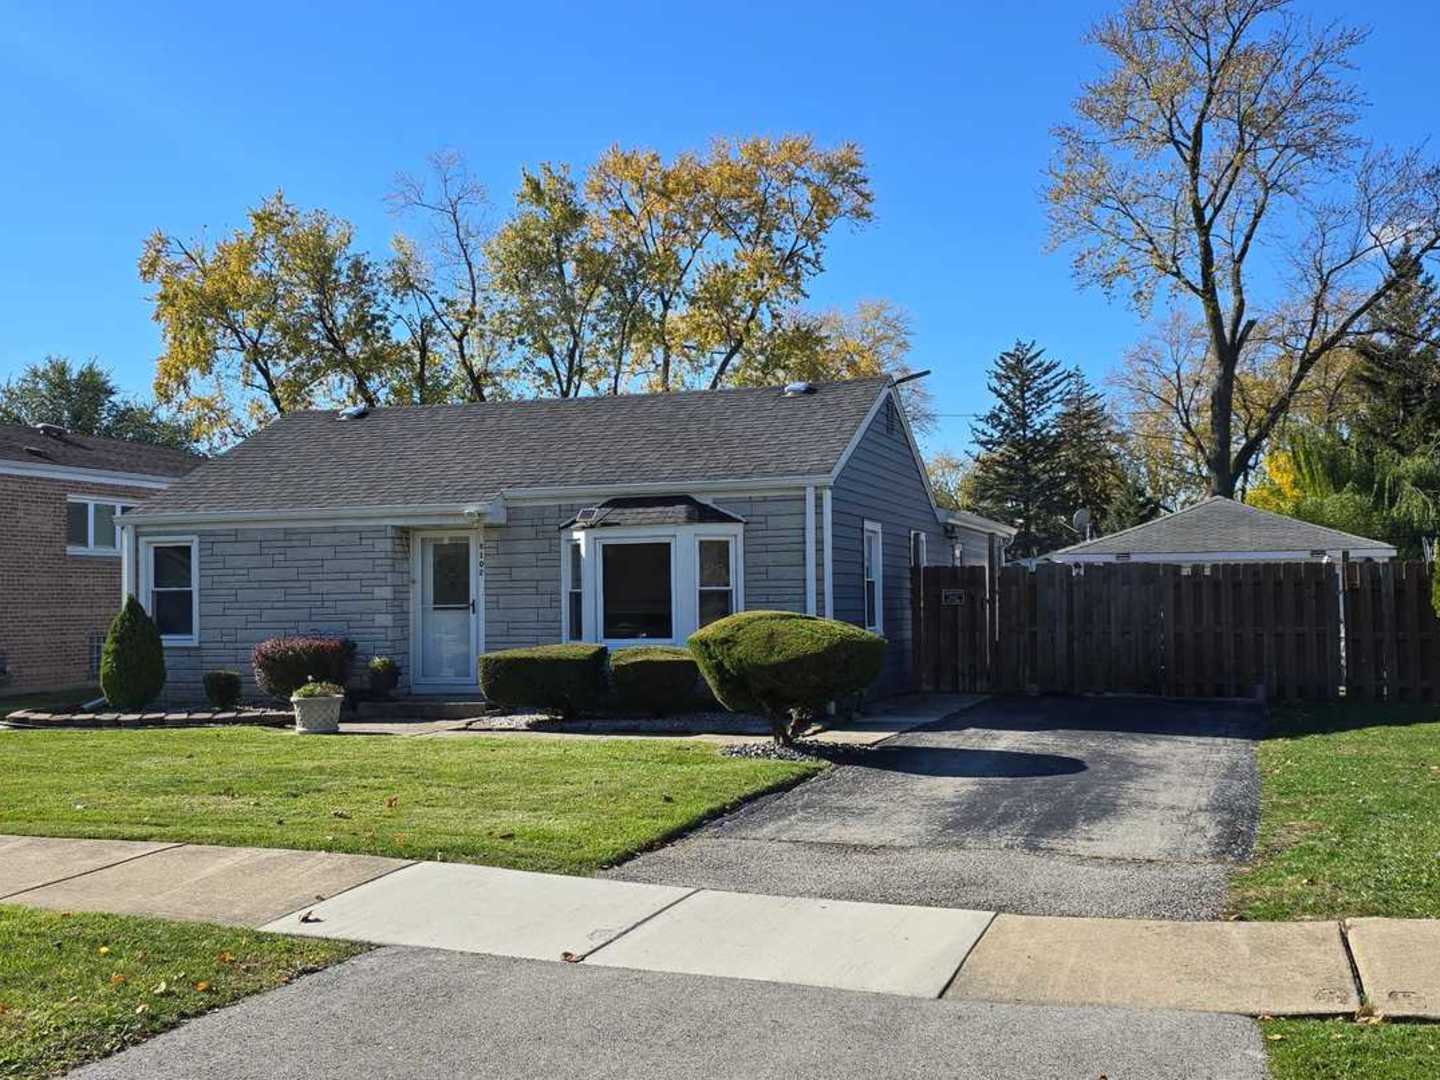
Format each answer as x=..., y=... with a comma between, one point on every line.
x=170, y=588
x=917, y=548
x=716, y=581
x=636, y=596
x=574, y=593
x=874, y=576
x=90, y=527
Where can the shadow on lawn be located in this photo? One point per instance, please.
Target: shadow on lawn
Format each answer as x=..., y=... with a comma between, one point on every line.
x=1289, y=720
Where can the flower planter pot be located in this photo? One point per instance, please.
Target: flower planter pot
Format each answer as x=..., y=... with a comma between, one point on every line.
x=382, y=683
x=317, y=715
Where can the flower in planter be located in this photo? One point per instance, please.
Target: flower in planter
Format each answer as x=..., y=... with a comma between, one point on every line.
x=313, y=689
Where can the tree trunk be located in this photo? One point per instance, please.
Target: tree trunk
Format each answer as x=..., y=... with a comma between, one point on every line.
x=780, y=726
x=1222, y=403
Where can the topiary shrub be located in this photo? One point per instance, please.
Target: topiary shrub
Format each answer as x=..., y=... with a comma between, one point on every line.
x=132, y=663
x=384, y=675
x=284, y=664
x=222, y=689
x=655, y=679
x=558, y=679
x=785, y=665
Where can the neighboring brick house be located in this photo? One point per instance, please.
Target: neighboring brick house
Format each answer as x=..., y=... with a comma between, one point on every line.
x=59, y=550
x=431, y=534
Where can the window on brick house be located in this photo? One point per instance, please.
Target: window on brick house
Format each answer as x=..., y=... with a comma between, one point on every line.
x=90, y=527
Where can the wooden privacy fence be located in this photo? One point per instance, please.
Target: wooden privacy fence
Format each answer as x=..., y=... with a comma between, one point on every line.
x=1302, y=631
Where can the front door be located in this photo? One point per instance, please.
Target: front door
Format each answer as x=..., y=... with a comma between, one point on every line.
x=448, y=603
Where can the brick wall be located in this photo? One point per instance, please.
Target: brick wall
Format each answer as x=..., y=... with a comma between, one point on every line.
x=51, y=603
x=261, y=583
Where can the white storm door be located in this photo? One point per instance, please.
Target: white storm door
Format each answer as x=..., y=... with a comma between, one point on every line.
x=449, y=612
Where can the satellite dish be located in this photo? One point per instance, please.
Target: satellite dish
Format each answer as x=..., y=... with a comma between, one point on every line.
x=1081, y=521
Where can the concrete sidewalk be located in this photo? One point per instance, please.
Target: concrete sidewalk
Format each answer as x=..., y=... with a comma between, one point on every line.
x=1249, y=968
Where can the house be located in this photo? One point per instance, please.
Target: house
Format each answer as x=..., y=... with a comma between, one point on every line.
x=59, y=551
x=432, y=534
x=1218, y=530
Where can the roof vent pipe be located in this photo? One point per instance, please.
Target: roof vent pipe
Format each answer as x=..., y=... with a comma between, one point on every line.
x=799, y=389
x=55, y=431
x=354, y=412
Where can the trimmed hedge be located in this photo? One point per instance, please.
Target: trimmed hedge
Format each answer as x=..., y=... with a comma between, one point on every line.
x=558, y=679
x=655, y=679
x=782, y=663
x=284, y=664
x=132, y=662
x=222, y=689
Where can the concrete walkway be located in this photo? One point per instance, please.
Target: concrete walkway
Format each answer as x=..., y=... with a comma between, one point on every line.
x=923, y=952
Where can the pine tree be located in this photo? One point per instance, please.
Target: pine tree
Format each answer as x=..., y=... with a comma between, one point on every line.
x=1131, y=504
x=132, y=662
x=1399, y=371
x=1089, y=451
x=1018, y=470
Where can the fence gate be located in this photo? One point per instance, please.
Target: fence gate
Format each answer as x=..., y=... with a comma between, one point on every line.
x=1302, y=631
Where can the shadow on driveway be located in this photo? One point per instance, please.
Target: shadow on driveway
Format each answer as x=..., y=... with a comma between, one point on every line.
x=974, y=764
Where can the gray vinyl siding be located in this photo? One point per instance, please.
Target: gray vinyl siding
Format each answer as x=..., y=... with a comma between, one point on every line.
x=882, y=482
x=261, y=583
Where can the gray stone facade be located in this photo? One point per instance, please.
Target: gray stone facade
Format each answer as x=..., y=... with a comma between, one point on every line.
x=262, y=583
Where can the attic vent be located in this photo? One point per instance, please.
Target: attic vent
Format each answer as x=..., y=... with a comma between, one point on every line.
x=354, y=412
x=54, y=431
x=798, y=389
x=1317, y=553
x=35, y=451
x=1123, y=556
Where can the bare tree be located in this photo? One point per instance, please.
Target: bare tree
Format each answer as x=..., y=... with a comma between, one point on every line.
x=445, y=277
x=1223, y=129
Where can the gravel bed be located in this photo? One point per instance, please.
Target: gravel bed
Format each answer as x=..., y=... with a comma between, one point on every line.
x=802, y=750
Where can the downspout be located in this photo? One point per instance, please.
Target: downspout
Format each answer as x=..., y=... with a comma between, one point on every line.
x=810, y=549
x=827, y=532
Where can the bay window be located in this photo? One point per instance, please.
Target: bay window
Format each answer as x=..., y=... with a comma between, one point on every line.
x=170, y=587
x=648, y=584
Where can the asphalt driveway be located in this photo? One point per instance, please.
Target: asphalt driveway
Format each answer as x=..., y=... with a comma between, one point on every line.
x=1056, y=806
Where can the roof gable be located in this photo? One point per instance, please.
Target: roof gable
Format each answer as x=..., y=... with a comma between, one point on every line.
x=447, y=455
x=1220, y=525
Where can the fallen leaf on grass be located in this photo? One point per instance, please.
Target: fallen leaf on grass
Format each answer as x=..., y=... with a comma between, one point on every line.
x=392, y=801
x=1274, y=1036
x=202, y=986
x=338, y=813
x=141, y=1008
x=104, y=950
x=161, y=988
x=116, y=979
x=226, y=957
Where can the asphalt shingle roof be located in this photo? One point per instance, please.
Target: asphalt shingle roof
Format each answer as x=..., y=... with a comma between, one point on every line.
x=17, y=441
x=457, y=454
x=1219, y=524
x=654, y=510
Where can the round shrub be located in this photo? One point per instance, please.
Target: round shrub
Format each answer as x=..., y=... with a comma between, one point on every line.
x=655, y=679
x=222, y=689
x=559, y=679
x=782, y=663
x=132, y=663
x=284, y=664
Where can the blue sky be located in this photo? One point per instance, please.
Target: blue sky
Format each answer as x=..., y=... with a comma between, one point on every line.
x=124, y=118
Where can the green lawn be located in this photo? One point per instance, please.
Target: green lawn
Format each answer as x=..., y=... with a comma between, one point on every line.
x=565, y=805
x=1349, y=815
x=74, y=988
x=1343, y=1050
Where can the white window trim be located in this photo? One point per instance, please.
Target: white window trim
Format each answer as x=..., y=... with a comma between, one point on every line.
x=90, y=549
x=734, y=588
x=684, y=543
x=924, y=548
x=147, y=572
x=875, y=528
x=569, y=585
